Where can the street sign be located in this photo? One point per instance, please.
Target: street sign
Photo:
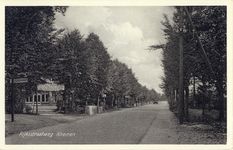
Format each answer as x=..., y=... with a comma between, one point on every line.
x=22, y=74
x=50, y=87
x=19, y=80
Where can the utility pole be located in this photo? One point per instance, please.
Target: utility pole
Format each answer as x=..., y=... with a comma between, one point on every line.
x=181, y=86
x=12, y=101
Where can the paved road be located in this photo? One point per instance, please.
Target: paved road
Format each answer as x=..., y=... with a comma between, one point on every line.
x=139, y=125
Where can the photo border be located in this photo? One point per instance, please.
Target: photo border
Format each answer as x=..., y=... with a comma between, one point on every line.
x=227, y=3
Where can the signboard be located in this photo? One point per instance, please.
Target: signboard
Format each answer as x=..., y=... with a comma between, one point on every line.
x=50, y=87
x=19, y=80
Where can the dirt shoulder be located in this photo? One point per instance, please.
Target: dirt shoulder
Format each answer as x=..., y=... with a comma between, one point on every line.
x=25, y=122
x=199, y=133
x=202, y=129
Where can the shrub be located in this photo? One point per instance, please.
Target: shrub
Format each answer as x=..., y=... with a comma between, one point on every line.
x=28, y=109
x=107, y=107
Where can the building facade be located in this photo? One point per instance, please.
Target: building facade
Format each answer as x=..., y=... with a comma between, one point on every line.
x=44, y=98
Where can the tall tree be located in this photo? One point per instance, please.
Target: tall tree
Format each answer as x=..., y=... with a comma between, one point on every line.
x=69, y=65
x=210, y=25
x=29, y=35
x=99, y=63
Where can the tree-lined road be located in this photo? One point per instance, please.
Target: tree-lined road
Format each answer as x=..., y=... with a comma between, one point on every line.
x=128, y=126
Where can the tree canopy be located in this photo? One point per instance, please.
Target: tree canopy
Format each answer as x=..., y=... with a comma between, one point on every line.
x=34, y=47
x=209, y=22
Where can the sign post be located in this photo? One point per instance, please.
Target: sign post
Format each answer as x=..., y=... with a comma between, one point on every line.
x=36, y=101
x=12, y=103
x=20, y=80
x=12, y=81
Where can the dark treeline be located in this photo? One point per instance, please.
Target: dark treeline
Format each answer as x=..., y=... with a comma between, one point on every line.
x=35, y=48
x=210, y=27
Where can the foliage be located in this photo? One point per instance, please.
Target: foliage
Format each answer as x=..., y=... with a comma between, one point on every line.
x=210, y=24
x=99, y=63
x=28, y=109
x=35, y=48
x=29, y=38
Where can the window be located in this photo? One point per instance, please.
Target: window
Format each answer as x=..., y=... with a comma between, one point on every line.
x=35, y=98
x=38, y=98
x=28, y=99
x=47, y=97
x=43, y=98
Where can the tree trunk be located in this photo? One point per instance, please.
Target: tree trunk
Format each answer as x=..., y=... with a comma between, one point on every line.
x=209, y=108
x=170, y=102
x=194, y=92
x=64, y=100
x=112, y=101
x=186, y=112
x=117, y=104
x=98, y=107
x=203, y=104
x=12, y=101
x=104, y=104
x=177, y=95
x=203, y=99
x=174, y=98
x=37, y=101
x=221, y=100
x=171, y=99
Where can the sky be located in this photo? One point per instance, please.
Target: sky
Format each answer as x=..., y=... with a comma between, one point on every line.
x=126, y=32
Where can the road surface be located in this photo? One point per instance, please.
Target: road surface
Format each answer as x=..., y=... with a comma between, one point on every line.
x=149, y=124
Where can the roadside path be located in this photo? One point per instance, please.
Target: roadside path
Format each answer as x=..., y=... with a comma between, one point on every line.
x=163, y=130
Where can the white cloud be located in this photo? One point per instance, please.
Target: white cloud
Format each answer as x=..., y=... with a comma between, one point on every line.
x=86, y=19
x=124, y=41
x=129, y=46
